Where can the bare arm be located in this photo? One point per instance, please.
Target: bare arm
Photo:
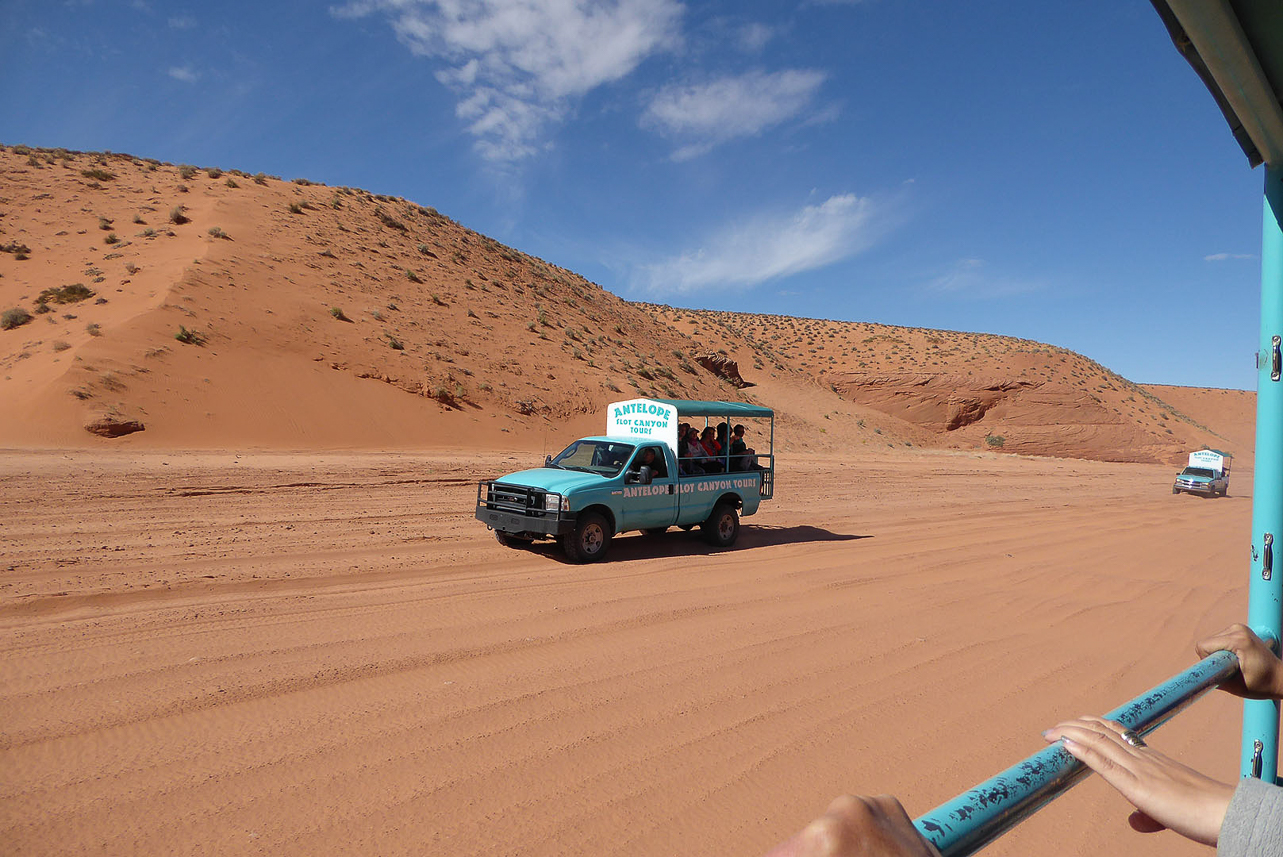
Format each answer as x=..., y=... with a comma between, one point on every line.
x=1165, y=793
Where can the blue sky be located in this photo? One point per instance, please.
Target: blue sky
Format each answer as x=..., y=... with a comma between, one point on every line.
x=1053, y=171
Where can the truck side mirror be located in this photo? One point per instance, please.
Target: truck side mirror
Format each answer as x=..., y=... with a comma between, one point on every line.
x=641, y=476
x=547, y=461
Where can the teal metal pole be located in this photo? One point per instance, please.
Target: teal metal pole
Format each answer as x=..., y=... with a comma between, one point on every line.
x=980, y=815
x=1265, y=609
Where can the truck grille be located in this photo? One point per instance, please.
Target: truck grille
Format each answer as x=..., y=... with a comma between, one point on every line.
x=1193, y=486
x=513, y=498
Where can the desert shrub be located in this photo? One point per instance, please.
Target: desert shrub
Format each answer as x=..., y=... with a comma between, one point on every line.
x=131, y=268
x=231, y=182
x=104, y=223
x=111, y=238
x=295, y=208
x=138, y=218
x=388, y=220
x=339, y=314
x=177, y=215
x=71, y=294
x=93, y=329
x=214, y=172
x=412, y=277
x=189, y=337
x=995, y=440
x=471, y=314
x=186, y=171
x=19, y=251
x=217, y=232
x=303, y=182
x=394, y=343
x=15, y=317
x=98, y=174
x=59, y=345
x=260, y=178
x=436, y=299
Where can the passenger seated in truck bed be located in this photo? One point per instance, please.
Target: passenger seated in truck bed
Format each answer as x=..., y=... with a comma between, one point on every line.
x=712, y=449
x=742, y=458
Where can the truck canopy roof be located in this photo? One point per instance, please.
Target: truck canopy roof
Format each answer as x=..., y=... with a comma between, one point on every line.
x=693, y=408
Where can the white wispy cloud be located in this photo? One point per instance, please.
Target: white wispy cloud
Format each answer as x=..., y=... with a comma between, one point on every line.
x=185, y=73
x=753, y=37
x=184, y=22
x=1221, y=257
x=518, y=65
x=703, y=115
x=769, y=247
x=972, y=278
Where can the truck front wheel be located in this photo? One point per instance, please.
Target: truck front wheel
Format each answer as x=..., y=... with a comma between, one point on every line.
x=722, y=527
x=508, y=540
x=589, y=540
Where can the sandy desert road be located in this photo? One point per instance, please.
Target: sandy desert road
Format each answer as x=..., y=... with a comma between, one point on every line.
x=324, y=654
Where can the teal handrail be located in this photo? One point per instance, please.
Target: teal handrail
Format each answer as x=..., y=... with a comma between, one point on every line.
x=980, y=815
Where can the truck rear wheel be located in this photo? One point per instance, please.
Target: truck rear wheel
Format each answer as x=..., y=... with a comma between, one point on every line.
x=589, y=540
x=722, y=527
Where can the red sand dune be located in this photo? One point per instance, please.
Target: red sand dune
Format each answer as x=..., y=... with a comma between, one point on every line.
x=293, y=637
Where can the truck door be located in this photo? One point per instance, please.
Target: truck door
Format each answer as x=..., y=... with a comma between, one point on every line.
x=653, y=505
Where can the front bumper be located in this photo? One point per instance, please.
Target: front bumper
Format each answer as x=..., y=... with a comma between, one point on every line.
x=518, y=510
x=512, y=523
x=1195, y=487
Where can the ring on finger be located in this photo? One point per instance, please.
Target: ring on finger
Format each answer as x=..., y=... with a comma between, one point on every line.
x=1132, y=738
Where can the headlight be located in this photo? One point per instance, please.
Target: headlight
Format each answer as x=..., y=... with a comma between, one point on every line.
x=552, y=502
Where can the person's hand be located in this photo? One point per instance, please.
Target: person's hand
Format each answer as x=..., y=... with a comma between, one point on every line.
x=859, y=826
x=1260, y=672
x=1166, y=793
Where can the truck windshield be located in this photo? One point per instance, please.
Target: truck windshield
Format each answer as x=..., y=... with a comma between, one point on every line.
x=1197, y=471
x=594, y=456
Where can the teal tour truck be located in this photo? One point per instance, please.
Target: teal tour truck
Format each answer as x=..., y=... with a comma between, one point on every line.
x=642, y=474
x=1208, y=474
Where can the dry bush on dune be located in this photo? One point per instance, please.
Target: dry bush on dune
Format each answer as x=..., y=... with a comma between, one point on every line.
x=15, y=317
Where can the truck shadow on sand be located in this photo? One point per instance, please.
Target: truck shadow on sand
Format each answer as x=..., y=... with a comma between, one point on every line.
x=680, y=543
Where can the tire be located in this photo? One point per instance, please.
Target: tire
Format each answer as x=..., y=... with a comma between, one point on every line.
x=508, y=540
x=1176, y=490
x=655, y=531
x=722, y=527
x=589, y=540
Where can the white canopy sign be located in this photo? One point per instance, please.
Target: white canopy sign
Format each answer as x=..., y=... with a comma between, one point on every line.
x=643, y=419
